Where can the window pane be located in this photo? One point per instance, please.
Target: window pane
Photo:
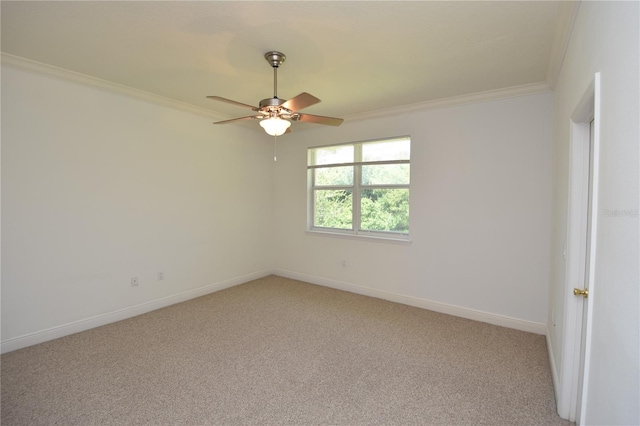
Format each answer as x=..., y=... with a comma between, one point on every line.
x=334, y=176
x=385, y=210
x=332, y=155
x=397, y=149
x=385, y=174
x=333, y=209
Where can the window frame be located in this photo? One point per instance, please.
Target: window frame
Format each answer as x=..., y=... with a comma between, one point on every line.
x=356, y=189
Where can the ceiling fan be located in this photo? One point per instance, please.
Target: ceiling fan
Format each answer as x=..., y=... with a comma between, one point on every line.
x=276, y=114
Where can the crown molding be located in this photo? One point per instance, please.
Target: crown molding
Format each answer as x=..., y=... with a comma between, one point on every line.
x=490, y=95
x=87, y=80
x=564, y=28
x=53, y=71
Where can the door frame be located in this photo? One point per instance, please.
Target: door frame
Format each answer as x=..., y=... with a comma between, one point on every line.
x=572, y=397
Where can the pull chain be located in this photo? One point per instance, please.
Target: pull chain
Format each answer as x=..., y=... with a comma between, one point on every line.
x=275, y=148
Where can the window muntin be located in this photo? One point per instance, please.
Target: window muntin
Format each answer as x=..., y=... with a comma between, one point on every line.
x=361, y=188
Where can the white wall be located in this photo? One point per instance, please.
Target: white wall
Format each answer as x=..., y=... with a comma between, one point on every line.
x=98, y=187
x=605, y=39
x=480, y=213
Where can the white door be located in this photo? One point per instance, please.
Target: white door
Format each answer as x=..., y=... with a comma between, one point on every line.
x=580, y=252
x=583, y=291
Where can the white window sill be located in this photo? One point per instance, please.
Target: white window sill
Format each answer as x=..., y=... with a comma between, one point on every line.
x=369, y=238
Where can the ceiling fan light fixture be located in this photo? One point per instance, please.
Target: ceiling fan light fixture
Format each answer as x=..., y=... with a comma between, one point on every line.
x=275, y=126
x=271, y=110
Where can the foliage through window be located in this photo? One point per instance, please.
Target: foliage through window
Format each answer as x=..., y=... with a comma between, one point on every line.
x=360, y=188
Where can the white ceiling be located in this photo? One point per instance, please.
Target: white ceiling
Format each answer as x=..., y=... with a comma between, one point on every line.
x=357, y=57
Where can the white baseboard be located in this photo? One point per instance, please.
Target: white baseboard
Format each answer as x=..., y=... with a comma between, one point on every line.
x=458, y=311
x=121, y=314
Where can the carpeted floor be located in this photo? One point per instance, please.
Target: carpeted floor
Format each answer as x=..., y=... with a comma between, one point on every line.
x=278, y=351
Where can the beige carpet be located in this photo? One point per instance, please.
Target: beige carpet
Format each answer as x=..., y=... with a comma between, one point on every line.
x=279, y=351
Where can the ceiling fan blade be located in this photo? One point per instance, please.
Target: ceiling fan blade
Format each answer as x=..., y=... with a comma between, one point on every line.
x=318, y=119
x=251, y=117
x=301, y=101
x=229, y=101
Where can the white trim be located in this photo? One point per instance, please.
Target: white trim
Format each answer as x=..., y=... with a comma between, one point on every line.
x=564, y=28
x=552, y=362
x=458, y=311
x=132, y=311
x=349, y=235
x=567, y=394
x=591, y=273
x=121, y=314
x=490, y=95
x=570, y=356
x=87, y=80
x=472, y=98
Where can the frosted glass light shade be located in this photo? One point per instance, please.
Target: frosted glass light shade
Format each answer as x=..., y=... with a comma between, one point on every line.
x=275, y=126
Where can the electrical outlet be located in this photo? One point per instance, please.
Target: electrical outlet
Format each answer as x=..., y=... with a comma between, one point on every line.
x=160, y=276
x=134, y=281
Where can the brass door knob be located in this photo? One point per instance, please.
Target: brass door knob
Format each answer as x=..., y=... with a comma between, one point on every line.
x=579, y=292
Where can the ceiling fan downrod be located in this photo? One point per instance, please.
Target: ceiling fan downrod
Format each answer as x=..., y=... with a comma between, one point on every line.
x=275, y=82
x=275, y=59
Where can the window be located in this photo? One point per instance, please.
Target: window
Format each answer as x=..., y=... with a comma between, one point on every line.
x=360, y=188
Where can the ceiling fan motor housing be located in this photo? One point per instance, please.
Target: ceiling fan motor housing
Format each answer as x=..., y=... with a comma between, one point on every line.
x=271, y=103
